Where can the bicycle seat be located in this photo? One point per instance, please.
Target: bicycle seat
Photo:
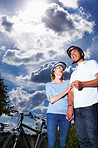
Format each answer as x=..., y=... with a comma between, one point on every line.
x=4, y=124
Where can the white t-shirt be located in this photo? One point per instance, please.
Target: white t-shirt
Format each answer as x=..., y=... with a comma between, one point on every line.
x=88, y=96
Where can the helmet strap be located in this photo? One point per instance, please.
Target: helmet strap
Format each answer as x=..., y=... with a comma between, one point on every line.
x=57, y=76
x=77, y=60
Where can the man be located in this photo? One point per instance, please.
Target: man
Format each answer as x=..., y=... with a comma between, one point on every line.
x=84, y=98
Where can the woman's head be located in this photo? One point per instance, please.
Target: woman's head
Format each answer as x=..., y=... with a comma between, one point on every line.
x=58, y=70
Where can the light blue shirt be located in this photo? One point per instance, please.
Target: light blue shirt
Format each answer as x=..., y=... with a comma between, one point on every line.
x=52, y=89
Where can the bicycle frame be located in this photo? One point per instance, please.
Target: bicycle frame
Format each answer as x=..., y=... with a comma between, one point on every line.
x=21, y=131
x=38, y=132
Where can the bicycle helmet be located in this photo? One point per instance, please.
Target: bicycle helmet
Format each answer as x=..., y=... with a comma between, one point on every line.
x=79, y=49
x=59, y=64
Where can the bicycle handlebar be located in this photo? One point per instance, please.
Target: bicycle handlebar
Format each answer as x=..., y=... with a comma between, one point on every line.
x=34, y=117
x=30, y=115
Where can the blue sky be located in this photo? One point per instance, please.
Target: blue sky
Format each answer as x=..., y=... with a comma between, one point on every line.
x=36, y=33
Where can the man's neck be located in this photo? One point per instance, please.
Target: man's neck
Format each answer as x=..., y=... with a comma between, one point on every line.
x=80, y=61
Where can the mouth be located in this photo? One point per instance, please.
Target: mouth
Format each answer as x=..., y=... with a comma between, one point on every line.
x=61, y=71
x=74, y=57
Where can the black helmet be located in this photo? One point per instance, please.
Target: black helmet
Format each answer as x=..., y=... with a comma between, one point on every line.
x=59, y=64
x=75, y=47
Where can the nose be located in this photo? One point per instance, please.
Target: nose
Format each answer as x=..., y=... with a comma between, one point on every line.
x=61, y=70
x=72, y=53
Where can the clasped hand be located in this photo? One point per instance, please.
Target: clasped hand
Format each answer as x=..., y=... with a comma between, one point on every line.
x=78, y=84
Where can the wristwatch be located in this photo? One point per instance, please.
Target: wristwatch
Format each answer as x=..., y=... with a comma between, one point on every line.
x=70, y=105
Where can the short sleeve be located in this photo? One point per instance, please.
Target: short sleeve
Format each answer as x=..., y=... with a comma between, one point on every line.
x=48, y=91
x=94, y=67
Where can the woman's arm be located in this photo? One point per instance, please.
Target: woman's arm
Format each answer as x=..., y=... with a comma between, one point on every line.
x=58, y=97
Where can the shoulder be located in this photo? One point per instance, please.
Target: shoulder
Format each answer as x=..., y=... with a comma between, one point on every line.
x=49, y=84
x=92, y=64
x=91, y=61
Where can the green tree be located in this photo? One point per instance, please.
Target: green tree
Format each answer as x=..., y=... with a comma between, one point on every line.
x=4, y=103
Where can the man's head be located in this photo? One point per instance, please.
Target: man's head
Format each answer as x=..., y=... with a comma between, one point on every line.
x=75, y=53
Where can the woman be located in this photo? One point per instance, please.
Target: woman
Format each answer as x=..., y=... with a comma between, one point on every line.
x=56, y=92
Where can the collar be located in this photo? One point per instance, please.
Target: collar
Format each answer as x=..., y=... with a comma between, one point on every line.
x=81, y=64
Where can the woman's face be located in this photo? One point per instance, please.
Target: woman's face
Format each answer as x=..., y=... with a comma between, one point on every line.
x=59, y=70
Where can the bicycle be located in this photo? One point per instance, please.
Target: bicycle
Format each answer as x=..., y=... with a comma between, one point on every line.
x=3, y=134
x=13, y=138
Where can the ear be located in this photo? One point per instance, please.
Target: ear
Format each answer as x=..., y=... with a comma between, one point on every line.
x=82, y=54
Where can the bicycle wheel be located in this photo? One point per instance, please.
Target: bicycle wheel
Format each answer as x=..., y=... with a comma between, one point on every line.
x=43, y=142
x=2, y=140
x=14, y=141
x=10, y=141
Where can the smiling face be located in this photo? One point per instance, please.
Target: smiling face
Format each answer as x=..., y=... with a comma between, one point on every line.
x=75, y=55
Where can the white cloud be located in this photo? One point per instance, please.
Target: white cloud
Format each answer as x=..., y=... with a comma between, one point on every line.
x=37, y=43
x=3, y=48
x=70, y=3
x=93, y=48
x=21, y=81
x=87, y=54
x=39, y=40
x=23, y=101
x=81, y=23
x=94, y=44
x=15, y=57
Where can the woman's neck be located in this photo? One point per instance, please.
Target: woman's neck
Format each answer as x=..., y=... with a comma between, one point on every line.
x=57, y=81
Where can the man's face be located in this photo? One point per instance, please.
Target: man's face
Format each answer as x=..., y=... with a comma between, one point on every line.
x=75, y=55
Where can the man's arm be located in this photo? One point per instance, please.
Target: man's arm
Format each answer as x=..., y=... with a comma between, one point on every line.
x=93, y=83
x=70, y=112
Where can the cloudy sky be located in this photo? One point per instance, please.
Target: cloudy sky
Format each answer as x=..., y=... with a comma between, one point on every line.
x=36, y=33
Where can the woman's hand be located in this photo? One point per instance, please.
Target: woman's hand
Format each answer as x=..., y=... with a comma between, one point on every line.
x=70, y=113
x=70, y=86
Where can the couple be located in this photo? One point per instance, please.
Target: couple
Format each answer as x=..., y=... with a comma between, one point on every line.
x=81, y=104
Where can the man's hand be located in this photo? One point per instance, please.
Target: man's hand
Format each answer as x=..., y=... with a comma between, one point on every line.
x=78, y=84
x=70, y=113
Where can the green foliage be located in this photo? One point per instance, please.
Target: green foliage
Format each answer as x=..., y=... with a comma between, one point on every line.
x=4, y=103
x=72, y=140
